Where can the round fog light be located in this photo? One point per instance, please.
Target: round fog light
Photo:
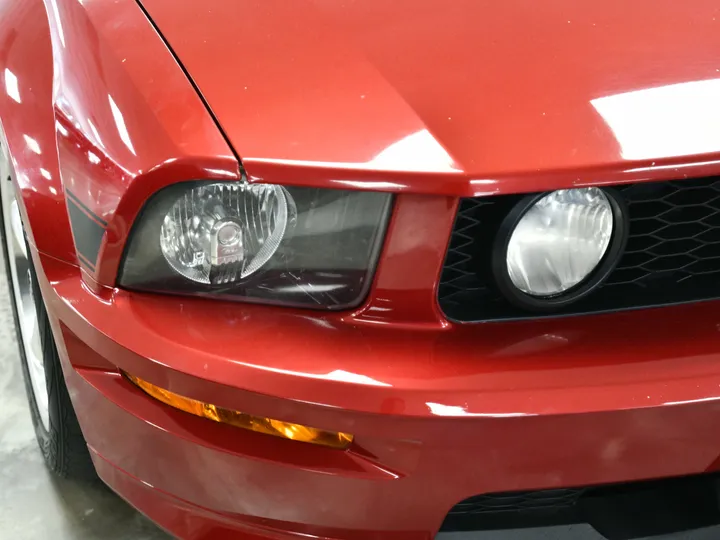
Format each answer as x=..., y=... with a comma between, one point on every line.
x=556, y=247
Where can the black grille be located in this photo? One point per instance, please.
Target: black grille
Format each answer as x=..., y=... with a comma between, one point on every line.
x=518, y=501
x=616, y=511
x=672, y=255
x=516, y=509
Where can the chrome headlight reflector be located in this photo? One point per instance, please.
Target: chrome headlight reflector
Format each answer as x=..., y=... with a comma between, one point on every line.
x=556, y=247
x=261, y=242
x=223, y=232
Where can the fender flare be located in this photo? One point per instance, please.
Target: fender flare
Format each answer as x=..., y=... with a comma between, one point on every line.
x=27, y=132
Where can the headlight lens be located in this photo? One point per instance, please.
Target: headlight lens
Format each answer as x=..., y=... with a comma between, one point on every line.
x=559, y=241
x=262, y=242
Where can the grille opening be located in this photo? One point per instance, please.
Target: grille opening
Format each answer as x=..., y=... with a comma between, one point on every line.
x=617, y=511
x=672, y=254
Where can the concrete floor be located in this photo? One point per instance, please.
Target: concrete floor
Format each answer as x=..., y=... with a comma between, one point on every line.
x=34, y=505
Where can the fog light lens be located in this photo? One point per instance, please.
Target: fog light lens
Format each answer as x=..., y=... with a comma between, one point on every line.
x=269, y=426
x=559, y=241
x=221, y=233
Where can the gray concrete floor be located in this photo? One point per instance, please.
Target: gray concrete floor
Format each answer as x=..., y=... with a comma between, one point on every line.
x=35, y=505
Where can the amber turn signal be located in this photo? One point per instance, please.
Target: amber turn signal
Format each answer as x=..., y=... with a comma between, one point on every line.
x=269, y=426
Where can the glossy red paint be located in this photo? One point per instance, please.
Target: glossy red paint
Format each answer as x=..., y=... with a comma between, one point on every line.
x=27, y=130
x=430, y=408
x=128, y=121
x=425, y=99
x=466, y=98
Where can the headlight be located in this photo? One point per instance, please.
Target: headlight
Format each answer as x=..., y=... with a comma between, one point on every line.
x=262, y=242
x=554, y=248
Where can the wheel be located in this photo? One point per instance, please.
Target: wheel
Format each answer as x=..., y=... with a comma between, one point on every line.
x=56, y=426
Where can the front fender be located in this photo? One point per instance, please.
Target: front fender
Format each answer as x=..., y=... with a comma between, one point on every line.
x=114, y=118
x=27, y=132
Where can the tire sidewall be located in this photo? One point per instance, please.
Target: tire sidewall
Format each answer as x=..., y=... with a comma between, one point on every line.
x=47, y=439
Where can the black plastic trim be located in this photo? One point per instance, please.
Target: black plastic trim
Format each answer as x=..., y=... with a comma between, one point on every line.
x=82, y=205
x=87, y=232
x=621, y=511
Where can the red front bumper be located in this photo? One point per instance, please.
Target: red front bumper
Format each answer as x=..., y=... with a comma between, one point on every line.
x=438, y=414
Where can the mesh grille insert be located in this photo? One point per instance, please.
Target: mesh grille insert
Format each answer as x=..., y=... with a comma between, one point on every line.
x=672, y=254
x=547, y=499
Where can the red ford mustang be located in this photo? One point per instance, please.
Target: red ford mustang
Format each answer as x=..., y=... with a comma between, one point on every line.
x=368, y=269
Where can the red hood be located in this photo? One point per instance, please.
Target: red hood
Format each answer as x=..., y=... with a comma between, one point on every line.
x=464, y=89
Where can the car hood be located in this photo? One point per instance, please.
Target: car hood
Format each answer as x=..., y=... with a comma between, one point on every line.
x=464, y=89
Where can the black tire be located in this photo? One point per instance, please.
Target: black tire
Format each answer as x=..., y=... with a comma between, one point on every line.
x=63, y=446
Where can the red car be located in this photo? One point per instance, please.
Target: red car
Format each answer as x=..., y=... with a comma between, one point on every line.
x=369, y=270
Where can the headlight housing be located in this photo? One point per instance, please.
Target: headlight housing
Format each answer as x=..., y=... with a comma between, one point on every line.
x=258, y=242
x=555, y=247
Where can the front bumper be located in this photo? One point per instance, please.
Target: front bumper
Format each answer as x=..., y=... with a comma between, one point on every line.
x=438, y=415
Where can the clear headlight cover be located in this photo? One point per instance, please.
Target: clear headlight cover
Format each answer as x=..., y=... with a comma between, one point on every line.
x=559, y=241
x=262, y=242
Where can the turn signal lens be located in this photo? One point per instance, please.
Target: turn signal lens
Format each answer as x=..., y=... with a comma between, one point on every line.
x=269, y=426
